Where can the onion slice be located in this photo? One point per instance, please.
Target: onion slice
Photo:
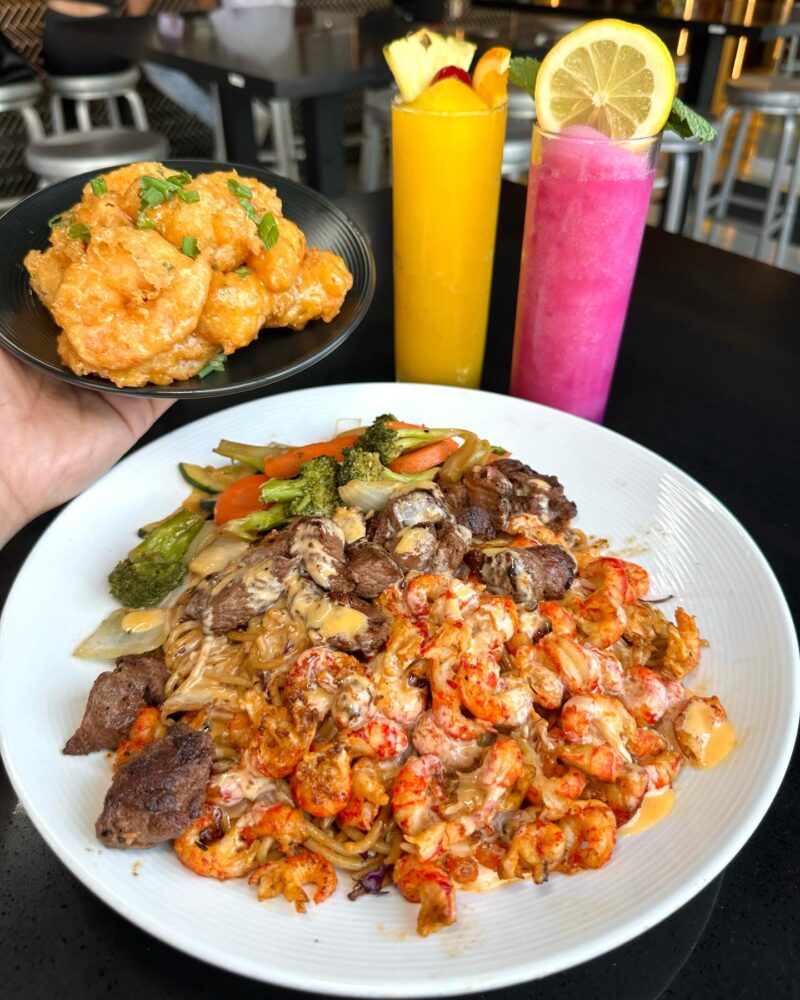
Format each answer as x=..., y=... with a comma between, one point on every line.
x=110, y=640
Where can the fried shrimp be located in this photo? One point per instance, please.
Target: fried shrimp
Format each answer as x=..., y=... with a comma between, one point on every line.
x=318, y=292
x=132, y=297
x=46, y=270
x=235, y=310
x=225, y=234
x=278, y=267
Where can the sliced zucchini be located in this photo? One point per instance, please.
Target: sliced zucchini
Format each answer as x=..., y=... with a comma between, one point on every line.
x=207, y=506
x=211, y=479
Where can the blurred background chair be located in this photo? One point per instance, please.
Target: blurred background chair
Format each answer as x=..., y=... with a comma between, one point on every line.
x=771, y=97
x=109, y=88
x=57, y=157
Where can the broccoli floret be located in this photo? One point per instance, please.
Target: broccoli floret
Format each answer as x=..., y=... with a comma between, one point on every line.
x=157, y=565
x=389, y=442
x=367, y=467
x=312, y=492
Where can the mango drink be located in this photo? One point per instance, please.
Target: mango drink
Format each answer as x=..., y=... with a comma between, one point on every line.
x=447, y=151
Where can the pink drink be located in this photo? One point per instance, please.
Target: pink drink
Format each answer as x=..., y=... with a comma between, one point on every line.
x=587, y=202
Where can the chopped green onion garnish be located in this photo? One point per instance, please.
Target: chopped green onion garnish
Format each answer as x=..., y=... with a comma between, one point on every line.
x=182, y=178
x=239, y=189
x=61, y=219
x=216, y=364
x=80, y=231
x=243, y=272
x=142, y=222
x=268, y=230
x=189, y=196
x=98, y=186
x=249, y=211
x=189, y=246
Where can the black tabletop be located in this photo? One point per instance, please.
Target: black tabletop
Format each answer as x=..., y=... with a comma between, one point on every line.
x=707, y=377
x=764, y=19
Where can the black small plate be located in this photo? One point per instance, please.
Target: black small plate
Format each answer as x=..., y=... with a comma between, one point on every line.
x=27, y=329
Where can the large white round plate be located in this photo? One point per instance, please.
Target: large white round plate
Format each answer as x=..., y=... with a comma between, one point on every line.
x=693, y=549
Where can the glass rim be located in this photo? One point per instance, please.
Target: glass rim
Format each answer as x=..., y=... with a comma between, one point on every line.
x=600, y=139
x=401, y=105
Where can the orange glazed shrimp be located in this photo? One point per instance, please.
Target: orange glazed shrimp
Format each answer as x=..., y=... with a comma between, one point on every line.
x=424, y=882
x=534, y=848
x=598, y=719
x=207, y=851
x=533, y=663
x=366, y=798
x=278, y=821
x=647, y=696
x=282, y=736
x=683, y=646
x=416, y=793
x=501, y=769
x=147, y=727
x=590, y=831
x=444, y=654
x=379, y=737
x=322, y=781
x=288, y=877
x=318, y=676
x=490, y=696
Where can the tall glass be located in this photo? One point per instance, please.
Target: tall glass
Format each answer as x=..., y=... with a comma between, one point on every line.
x=587, y=203
x=446, y=168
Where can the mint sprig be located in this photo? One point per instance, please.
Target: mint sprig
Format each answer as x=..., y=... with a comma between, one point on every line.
x=683, y=121
x=686, y=123
x=522, y=72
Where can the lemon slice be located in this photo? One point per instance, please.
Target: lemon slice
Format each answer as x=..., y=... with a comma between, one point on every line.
x=617, y=77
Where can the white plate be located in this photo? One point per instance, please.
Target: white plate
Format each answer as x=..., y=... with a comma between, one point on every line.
x=693, y=549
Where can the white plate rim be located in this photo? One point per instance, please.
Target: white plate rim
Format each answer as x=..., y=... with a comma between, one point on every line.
x=523, y=971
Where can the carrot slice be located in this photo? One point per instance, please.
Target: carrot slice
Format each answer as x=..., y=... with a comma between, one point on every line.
x=240, y=499
x=423, y=458
x=288, y=464
x=495, y=457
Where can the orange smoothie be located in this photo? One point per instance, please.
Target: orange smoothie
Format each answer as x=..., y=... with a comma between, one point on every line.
x=447, y=152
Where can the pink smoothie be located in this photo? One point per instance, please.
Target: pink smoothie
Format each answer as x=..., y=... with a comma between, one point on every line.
x=587, y=202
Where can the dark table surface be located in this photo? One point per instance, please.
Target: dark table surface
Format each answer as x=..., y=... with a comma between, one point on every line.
x=707, y=377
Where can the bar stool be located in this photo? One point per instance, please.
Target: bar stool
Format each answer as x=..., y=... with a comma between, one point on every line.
x=679, y=151
x=22, y=97
x=773, y=96
x=60, y=156
x=106, y=87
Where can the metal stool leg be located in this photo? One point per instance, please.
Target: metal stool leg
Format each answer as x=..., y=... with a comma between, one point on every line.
x=676, y=194
x=730, y=172
x=371, y=158
x=708, y=169
x=83, y=116
x=113, y=112
x=283, y=139
x=33, y=124
x=138, y=112
x=790, y=211
x=57, y=114
x=774, y=193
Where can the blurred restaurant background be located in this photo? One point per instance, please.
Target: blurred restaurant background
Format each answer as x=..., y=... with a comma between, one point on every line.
x=740, y=192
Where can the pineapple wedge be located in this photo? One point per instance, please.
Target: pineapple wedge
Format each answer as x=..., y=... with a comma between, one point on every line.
x=416, y=59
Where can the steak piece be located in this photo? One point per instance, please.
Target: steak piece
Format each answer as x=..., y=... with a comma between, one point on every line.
x=116, y=698
x=159, y=792
x=452, y=542
x=487, y=487
x=417, y=506
x=455, y=496
x=374, y=635
x=371, y=569
x=478, y=521
x=225, y=601
x=543, y=572
x=378, y=528
x=414, y=548
x=318, y=542
x=537, y=494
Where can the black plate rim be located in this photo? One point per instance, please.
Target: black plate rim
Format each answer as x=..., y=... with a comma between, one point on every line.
x=178, y=390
